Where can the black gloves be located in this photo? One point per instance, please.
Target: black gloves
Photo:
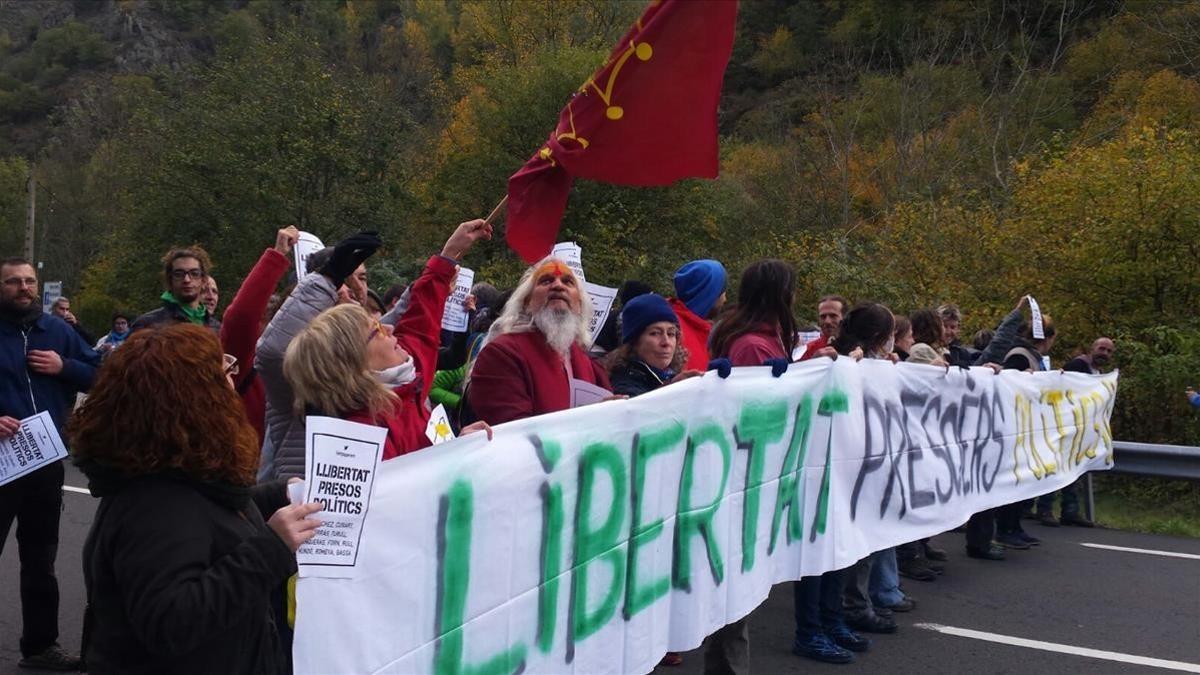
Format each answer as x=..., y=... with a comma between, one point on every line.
x=348, y=254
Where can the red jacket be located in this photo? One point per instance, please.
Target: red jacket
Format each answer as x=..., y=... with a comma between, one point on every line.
x=418, y=333
x=753, y=348
x=810, y=349
x=694, y=332
x=240, y=329
x=518, y=375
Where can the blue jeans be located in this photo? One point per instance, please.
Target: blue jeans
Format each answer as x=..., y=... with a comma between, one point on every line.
x=818, y=604
x=885, y=580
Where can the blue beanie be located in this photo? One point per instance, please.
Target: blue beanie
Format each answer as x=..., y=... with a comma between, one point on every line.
x=642, y=311
x=698, y=284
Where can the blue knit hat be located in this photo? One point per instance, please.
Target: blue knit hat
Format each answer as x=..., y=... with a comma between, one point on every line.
x=642, y=311
x=698, y=284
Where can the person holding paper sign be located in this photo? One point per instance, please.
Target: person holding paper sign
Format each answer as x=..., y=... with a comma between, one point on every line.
x=43, y=365
x=244, y=322
x=1030, y=355
x=536, y=349
x=333, y=270
x=179, y=564
x=345, y=364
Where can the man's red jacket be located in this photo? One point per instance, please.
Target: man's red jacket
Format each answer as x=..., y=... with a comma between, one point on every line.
x=518, y=375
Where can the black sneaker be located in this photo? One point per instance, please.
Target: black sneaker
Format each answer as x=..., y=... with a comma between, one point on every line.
x=1013, y=541
x=820, y=648
x=1029, y=538
x=992, y=552
x=51, y=658
x=872, y=623
x=848, y=639
x=1077, y=520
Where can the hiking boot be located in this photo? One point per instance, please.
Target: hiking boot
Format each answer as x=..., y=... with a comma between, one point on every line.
x=992, y=552
x=872, y=623
x=934, y=553
x=820, y=648
x=1077, y=520
x=848, y=639
x=1013, y=541
x=51, y=658
x=916, y=569
x=905, y=605
x=1046, y=518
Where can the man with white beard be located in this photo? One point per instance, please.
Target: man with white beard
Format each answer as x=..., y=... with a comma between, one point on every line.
x=535, y=349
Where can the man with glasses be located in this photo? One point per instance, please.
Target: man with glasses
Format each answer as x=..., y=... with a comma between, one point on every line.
x=185, y=273
x=43, y=365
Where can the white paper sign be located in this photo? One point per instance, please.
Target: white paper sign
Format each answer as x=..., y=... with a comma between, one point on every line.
x=454, y=316
x=804, y=337
x=1039, y=331
x=438, y=430
x=585, y=393
x=34, y=446
x=1045, y=363
x=341, y=460
x=51, y=291
x=306, y=245
x=602, y=301
x=572, y=254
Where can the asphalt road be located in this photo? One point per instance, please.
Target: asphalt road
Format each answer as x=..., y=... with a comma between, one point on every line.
x=1063, y=593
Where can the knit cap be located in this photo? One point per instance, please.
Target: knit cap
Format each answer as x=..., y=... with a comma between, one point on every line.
x=698, y=284
x=642, y=311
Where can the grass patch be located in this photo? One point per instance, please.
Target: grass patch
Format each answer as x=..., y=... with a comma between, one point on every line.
x=1150, y=505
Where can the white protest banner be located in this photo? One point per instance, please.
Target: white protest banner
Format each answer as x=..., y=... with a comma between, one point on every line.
x=306, y=245
x=341, y=462
x=454, y=316
x=1035, y=321
x=602, y=302
x=35, y=445
x=572, y=254
x=51, y=291
x=595, y=539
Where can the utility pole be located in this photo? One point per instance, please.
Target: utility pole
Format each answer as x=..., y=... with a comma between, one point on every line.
x=30, y=212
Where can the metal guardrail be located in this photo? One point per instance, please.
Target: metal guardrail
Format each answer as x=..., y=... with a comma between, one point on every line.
x=1160, y=461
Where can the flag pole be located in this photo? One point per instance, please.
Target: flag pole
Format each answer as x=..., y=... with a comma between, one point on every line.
x=496, y=211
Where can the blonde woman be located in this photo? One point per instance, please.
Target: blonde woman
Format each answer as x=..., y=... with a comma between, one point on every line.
x=346, y=364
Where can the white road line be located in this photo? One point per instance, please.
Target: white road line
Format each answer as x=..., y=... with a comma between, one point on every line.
x=1063, y=649
x=1147, y=551
x=81, y=491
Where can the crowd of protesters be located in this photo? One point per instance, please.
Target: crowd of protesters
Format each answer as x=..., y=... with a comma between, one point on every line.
x=193, y=427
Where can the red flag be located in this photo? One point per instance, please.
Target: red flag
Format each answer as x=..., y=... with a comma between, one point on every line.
x=647, y=117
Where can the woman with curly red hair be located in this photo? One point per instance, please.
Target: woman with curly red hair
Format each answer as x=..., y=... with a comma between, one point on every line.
x=179, y=564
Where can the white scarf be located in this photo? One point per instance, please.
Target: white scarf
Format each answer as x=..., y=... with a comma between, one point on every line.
x=397, y=376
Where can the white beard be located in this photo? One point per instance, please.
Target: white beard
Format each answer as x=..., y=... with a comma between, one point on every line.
x=559, y=326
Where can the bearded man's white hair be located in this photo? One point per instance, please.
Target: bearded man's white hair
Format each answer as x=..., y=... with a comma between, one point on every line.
x=562, y=328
